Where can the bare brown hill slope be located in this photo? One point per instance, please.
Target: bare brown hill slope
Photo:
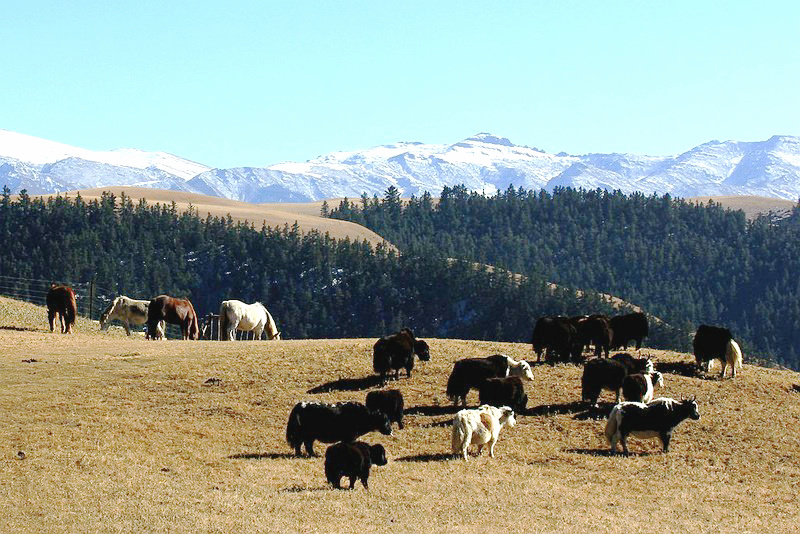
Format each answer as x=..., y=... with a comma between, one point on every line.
x=103, y=433
x=752, y=206
x=306, y=215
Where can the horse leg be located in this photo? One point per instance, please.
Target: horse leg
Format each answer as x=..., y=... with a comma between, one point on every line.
x=61, y=320
x=51, y=318
x=127, y=326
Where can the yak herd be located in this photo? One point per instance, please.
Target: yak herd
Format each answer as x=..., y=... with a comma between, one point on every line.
x=499, y=380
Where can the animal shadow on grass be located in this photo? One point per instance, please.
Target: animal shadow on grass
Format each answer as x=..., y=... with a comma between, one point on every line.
x=581, y=410
x=21, y=329
x=432, y=410
x=591, y=452
x=348, y=384
x=264, y=456
x=301, y=489
x=679, y=368
x=435, y=457
x=607, y=452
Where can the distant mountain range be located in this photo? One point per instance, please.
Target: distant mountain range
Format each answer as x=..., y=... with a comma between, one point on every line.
x=485, y=163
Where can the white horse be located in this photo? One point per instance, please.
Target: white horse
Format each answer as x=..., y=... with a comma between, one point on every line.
x=236, y=315
x=127, y=311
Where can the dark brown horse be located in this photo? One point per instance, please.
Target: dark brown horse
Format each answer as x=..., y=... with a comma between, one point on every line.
x=174, y=311
x=61, y=301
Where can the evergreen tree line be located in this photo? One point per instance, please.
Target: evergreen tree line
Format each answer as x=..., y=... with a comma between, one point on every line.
x=315, y=286
x=685, y=262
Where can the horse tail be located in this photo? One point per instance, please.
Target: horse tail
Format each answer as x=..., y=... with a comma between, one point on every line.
x=194, y=328
x=223, y=321
x=71, y=309
x=294, y=435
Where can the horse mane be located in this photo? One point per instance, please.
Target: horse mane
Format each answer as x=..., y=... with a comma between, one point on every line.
x=107, y=311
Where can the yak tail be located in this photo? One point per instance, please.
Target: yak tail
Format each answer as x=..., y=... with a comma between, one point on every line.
x=293, y=436
x=459, y=436
x=612, y=425
x=733, y=354
x=452, y=387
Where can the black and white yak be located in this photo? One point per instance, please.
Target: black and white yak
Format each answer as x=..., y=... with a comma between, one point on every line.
x=716, y=343
x=654, y=420
x=470, y=373
x=609, y=374
x=639, y=387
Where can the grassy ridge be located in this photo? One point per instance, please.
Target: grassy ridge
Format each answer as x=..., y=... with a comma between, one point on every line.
x=124, y=434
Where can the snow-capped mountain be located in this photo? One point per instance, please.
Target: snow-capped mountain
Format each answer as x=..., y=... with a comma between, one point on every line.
x=483, y=162
x=42, y=166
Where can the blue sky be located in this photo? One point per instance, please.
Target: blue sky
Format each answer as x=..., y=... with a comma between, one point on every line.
x=255, y=83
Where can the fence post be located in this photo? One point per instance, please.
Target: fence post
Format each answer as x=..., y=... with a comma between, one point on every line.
x=91, y=298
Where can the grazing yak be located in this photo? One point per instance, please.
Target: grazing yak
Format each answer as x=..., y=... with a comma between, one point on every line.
x=639, y=387
x=396, y=351
x=654, y=420
x=479, y=427
x=716, y=343
x=329, y=423
x=352, y=460
x=600, y=374
x=61, y=301
x=388, y=402
x=507, y=391
x=627, y=328
x=609, y=374
x=634, y=365
x=557, y=338
x=593, y=330
x=471, y=372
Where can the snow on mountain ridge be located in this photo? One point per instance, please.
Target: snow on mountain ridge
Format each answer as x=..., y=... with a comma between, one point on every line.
x=39, y=151
x=483, y=162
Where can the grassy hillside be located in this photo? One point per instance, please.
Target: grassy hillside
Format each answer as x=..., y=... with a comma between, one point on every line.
x=105, y=433
x=277, y=214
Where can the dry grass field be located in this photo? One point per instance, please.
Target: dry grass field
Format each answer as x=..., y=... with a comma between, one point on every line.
x=104, y=433
x=752, y=206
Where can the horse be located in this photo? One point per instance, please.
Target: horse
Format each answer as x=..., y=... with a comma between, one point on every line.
x=127, y=311
x=236, y=315
x=174, y=311
x=61, y=300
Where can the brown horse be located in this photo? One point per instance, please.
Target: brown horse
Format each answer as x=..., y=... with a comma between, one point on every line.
x=61, y=301
x=174, y=311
